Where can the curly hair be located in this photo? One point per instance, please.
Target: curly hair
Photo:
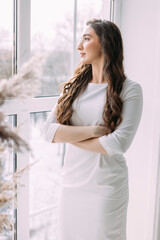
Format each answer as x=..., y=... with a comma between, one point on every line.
x=113, y=71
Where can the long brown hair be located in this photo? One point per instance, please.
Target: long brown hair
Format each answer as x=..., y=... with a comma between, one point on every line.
x=113, y=71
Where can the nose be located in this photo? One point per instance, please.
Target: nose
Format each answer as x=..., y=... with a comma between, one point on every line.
x=80, y=46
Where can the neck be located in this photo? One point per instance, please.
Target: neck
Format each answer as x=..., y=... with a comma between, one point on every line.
x=97, y=75
x=97, y=72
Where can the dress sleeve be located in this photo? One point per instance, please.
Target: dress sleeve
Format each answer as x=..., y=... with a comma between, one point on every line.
x=50, y=126
x=120, y=140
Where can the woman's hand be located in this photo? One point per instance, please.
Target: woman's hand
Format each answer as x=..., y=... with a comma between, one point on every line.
x=99, y=130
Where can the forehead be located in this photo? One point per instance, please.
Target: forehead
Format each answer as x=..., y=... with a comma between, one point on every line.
x=89, y=30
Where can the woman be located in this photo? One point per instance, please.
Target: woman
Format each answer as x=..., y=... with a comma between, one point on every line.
x=98, y=115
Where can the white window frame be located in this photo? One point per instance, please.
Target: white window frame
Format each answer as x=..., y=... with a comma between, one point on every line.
x=22, y=110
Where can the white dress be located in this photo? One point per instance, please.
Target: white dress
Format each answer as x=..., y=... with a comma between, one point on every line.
x=94, y=194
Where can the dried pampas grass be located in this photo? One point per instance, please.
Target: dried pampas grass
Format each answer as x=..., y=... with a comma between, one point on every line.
x=6, y=223
x=8, y=189
x=11, y=139
x=22, y=85
x=26, y=82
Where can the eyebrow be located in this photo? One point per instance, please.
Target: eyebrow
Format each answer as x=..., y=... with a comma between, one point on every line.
x=87, y=34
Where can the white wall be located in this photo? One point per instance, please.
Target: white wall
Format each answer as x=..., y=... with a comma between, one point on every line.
x=140, y=32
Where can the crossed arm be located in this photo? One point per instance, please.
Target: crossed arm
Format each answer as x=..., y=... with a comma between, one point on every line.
x=85, y=137
x=95, y=138
x=92, y=145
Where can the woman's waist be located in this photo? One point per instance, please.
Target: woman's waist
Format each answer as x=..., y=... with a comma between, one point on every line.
x=104, y=187
x=95, y=173
x=78, y=157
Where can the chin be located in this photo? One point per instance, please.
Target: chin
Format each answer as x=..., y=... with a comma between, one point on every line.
x=84, y=61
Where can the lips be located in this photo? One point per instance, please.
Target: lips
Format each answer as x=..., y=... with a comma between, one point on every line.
x=82, y=54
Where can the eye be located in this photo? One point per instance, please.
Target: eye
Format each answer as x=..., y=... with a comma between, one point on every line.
x=86, y=39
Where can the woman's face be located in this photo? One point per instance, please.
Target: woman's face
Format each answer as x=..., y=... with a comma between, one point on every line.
x=90, y=47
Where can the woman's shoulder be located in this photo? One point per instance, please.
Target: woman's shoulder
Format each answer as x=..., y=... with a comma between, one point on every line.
x=130, y=89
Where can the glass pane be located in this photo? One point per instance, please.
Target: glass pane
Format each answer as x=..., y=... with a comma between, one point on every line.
x=89, y=9
x=45, y=179
x=52, y=32
x=6, y=171
x=6, y=25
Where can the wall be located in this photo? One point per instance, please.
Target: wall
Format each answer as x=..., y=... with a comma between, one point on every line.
x=139, y=24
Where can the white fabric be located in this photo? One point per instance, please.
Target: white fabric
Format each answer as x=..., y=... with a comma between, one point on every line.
x=120, y=140
x=50, y=126
x=94, y=194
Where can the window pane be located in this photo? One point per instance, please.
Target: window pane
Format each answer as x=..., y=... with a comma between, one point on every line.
x=6, y=25
x=52, y=32
x=89, y=9
x=7, y=167
x=45, y=178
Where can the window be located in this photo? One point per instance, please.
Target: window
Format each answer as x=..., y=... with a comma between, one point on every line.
x=45, y=177
x=7, y=167
x=6, y=26
x=51, y=27
x=52, y=33
x=7, y=162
